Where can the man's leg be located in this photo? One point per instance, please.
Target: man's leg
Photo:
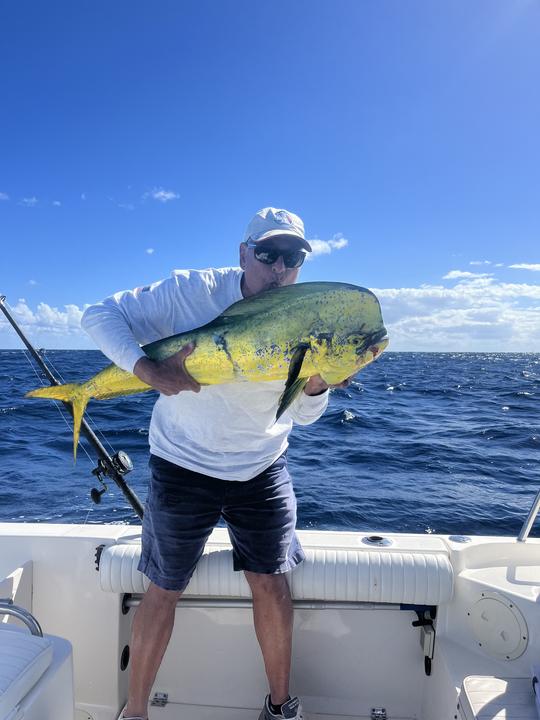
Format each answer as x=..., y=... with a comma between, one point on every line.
x=181, y=510
x=151, y=631
x=273, y=616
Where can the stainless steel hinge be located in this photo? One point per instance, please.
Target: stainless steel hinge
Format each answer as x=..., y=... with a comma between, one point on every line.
x=160, y=699
x=378, y=714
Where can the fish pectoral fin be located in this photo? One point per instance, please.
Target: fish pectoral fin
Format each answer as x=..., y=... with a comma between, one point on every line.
x=289, y=395
x=294, y=384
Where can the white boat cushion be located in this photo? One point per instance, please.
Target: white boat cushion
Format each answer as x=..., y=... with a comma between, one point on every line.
x=333, y=575
x=23, y=660
x=493, y=698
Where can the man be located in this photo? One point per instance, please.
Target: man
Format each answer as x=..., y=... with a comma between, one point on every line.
x=216, y=451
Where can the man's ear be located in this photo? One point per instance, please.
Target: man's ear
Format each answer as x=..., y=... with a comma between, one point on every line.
x=243, y=251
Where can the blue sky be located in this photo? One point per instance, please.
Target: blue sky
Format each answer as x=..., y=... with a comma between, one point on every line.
x=140, y=137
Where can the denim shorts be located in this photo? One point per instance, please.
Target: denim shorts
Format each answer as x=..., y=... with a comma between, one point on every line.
x=183, y=507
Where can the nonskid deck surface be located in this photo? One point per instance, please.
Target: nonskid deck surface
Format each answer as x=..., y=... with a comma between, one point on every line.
x=176, y=711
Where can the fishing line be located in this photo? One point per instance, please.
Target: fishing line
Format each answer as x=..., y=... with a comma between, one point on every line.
x=81, y=444
x=62, y=415
x=88, y=514
x=95, y=428
x=94, y=424
x=64, y=418
x=90, y=420
x=114, y=466
x=56, y=403
x=59, y=375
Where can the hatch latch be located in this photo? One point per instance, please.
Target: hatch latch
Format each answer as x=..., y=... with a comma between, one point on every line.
x=426, y=616
x=160, y=699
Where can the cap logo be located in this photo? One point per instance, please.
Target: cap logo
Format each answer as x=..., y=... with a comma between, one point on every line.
x=283, y=217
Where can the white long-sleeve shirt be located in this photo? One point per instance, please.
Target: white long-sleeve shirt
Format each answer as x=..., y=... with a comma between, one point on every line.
x=226, y=431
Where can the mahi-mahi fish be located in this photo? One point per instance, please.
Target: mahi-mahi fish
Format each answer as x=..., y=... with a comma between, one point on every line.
x=288, y=333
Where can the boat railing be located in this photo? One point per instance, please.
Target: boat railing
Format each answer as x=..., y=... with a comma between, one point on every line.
x=8, y=608
x=531, y=517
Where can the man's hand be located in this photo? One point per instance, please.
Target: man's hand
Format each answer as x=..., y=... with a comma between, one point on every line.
x=168, y=376
x=316, y=385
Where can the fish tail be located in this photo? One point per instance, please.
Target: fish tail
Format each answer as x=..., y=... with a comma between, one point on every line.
x=72, y=393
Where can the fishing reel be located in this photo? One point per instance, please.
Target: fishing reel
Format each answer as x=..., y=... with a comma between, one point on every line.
x=120, y=463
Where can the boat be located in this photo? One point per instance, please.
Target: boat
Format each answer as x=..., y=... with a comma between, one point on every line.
x=387, y=626
x=395, y=626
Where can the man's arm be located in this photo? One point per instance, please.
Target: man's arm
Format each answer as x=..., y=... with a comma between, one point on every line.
x=312, y=402
x=169, y=376
x=121, y=323
x=316, y=385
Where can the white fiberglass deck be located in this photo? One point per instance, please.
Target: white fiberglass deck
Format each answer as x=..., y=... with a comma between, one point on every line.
x=355, y=646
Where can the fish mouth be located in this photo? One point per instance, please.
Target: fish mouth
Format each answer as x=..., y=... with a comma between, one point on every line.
x=375, y=343
x=378, y=348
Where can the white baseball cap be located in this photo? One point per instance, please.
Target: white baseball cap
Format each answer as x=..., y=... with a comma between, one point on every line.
x=273, y=222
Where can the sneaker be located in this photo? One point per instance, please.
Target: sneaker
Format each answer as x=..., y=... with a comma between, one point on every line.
x=130, y=717
x=291, y=710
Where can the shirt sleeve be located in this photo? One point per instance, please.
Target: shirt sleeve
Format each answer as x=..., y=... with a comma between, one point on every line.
x=306, y=409
x=120, y=324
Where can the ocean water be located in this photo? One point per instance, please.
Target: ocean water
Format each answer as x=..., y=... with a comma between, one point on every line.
x=420, y=442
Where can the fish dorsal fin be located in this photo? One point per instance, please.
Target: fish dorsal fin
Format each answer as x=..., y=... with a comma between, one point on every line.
x=278, y=297
x=295, y=384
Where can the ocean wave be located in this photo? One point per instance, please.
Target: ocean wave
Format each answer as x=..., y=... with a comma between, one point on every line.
x=419, y=442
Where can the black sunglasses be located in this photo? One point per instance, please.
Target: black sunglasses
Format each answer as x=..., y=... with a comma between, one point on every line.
x=268, y=256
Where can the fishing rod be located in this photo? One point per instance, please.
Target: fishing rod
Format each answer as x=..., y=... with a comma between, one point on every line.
x=111, y=466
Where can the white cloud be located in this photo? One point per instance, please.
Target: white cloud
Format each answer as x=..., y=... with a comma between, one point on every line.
x=463, y=274
x=480, y=262
x=45, y=318
x=32, y=282
x=481, y=314
x=29, y=201
x=161, y=195
x=56, y=203
x=325, y=247
x=126, y=206
x=46, y=326
x=526, y=266
x=4, y=196
x=477, y=314
x=150, y=251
